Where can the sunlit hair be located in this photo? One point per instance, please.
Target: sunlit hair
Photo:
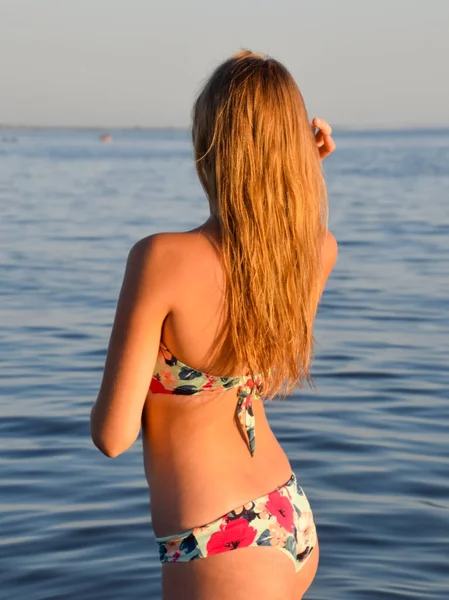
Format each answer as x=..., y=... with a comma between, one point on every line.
x=257, y=160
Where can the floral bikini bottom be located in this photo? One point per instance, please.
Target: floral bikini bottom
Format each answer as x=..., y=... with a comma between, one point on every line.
x=281, y=519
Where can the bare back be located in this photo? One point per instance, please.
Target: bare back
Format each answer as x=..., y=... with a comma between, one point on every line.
x=197, y=463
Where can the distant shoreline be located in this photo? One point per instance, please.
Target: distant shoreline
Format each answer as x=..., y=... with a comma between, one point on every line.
x=107, y=129
x=92, y=127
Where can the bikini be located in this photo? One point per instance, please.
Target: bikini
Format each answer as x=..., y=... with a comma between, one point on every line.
x=281, y=519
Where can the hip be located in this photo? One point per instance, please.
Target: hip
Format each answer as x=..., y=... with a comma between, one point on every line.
x=281, y=519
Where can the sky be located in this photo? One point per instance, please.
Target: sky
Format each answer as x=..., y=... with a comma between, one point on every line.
x=125, y=63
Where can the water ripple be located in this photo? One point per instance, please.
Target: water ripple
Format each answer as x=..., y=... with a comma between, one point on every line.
x=369, y=448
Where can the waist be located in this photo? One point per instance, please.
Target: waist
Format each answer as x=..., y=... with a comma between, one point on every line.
x=198, y=466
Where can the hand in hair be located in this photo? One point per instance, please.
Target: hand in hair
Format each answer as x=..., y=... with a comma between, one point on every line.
x=324, y=141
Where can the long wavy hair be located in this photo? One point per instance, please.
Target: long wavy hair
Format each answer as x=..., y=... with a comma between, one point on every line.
x=257, y=160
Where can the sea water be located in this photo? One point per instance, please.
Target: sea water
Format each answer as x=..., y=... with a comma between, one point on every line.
x=370, y=447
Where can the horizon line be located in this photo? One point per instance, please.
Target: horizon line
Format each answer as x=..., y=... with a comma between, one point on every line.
x=104, y=128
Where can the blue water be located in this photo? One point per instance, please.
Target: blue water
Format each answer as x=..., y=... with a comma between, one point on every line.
x=370, y=448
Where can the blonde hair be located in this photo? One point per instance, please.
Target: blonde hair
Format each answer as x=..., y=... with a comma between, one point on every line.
x=257, y=160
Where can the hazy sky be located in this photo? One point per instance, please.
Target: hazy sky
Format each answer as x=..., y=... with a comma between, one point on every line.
x=140, y=62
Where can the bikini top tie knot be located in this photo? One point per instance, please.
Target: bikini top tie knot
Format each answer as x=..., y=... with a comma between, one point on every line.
x=245, y=413
x=171, y=376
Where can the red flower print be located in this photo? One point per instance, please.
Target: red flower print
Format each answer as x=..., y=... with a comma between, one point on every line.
x=281, y=507
x=247, y=402
x=158, y=388
x=176, y=556
x=167, y=378
x=254, y=384
x=234, y=534
x=209, y=384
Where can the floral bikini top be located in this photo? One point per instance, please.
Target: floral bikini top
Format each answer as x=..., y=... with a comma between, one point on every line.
x=171, y=376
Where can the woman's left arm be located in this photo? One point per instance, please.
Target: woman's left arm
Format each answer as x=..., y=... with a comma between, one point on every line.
x=142, y=307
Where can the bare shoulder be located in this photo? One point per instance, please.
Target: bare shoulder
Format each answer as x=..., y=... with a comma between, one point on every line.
x=153, y=247
x=167, y=259
x=166, y=246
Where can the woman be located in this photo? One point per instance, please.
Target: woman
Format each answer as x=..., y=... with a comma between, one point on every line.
x=235, y=297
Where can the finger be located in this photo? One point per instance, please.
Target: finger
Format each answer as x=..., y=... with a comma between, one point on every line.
x=319, y=139
x=327, y=147
x=322, y=125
